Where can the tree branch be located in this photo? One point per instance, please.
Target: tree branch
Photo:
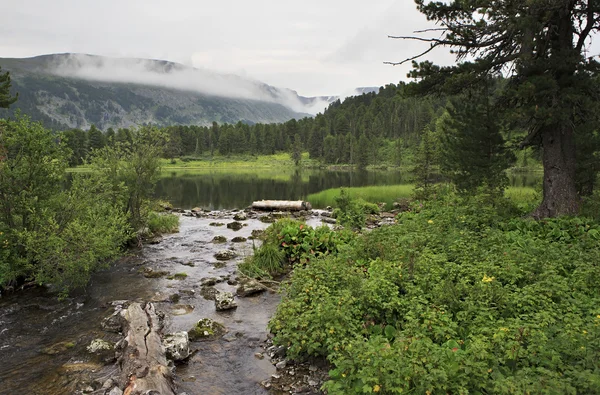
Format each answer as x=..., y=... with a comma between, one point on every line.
x=431, y=47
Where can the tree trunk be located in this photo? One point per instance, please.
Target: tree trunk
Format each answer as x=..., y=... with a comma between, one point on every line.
x=143, y=363
x=560, y=192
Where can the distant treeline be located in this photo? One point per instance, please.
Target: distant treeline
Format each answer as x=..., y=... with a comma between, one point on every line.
x=372, y=128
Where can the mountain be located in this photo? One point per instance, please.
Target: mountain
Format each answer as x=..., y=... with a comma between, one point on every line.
x=76, y=90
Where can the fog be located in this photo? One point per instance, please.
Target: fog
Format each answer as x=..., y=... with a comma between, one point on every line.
x=179, y=77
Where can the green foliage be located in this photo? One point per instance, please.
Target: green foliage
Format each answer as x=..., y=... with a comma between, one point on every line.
x=461, y=296
x=301, y=243
x=473, y=152
x=48, y=234
x=267, y=261
x=132, y=169
x=352, y=212
x=5, y=96
x=374, y=194
x=427, y=160
x=162, y=222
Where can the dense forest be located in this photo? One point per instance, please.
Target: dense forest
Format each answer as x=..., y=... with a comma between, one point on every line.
x=385, y=123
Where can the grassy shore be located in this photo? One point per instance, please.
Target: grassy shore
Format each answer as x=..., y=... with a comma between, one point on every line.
x=391, y=193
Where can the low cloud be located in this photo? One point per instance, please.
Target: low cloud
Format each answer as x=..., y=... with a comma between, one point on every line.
x=179, y=77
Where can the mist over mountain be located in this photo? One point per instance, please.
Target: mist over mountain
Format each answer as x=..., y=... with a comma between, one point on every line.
x=77, y=90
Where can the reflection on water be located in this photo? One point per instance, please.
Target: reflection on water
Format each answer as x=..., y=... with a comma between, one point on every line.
x=222, y=190
x=226, y=190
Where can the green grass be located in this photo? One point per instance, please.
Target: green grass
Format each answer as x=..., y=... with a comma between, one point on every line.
x=162, y=223
x=373, y=194
x=523, y=194
x=237, y=161
x=391, y=193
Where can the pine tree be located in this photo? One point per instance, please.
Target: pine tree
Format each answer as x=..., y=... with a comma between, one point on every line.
x=473, y=151
x=5, y=98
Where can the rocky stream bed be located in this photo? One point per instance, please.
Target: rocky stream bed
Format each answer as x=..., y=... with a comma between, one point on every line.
x=212, y=321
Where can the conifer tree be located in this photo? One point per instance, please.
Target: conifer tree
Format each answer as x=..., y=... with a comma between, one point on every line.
x=5, y=98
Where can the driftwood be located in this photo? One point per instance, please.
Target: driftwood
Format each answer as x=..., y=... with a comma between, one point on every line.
x=287, y=205
x=143, y=363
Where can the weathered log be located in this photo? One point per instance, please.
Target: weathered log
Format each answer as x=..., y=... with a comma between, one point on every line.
x=288, y=205
x=143, y=362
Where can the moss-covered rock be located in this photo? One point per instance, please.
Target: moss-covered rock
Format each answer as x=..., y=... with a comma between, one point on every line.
x=206, y=329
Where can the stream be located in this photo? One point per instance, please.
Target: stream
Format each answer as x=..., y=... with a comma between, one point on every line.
x=43, y=340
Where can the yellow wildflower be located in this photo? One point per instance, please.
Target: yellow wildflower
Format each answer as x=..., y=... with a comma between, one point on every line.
x=487, y=279
x=584, y=332
x=430, y=221
x=376, y=388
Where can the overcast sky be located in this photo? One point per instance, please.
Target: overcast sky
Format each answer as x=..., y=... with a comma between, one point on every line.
x=315, y=47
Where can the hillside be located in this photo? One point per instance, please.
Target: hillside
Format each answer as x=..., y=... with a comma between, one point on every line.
x=75, y=91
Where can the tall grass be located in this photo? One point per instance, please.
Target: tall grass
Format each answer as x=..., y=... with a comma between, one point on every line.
x=523, y=195
x=387, y=194
x=162, y=223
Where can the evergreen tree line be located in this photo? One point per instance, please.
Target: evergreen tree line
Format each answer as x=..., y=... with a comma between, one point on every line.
x=367, y=129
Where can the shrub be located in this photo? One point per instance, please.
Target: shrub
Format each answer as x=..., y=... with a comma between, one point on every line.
x=162, y=223
x=456, y=298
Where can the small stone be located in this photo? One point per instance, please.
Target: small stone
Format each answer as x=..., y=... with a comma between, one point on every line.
x=225, y=255
x=312, y=368
x=267, y=219
x=238, y=239
x=219, y=239
x=115, y=391
x=177, y=346
x=266, y=384
x=259, y=355
x=196, y=210
x=313, y=383
x=108, y=384
x=250, y=287
x=276, y=376
x=234, y=225
x=224, y=301
x=240, y=216
x=208, y=282
x=281, y=365
x=99, y=345
x=257, y=233
x=280, y=352
x=216, y=224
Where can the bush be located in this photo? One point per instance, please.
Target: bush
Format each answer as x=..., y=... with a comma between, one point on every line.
x=162, y=223
x=455, y=298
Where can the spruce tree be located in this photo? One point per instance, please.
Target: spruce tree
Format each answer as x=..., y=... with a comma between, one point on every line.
x=5, y=98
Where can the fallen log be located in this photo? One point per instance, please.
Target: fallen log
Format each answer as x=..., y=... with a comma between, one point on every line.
x=143, y=362
x=287, y=205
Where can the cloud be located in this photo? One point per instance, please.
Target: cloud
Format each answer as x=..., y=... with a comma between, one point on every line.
x=175, y=76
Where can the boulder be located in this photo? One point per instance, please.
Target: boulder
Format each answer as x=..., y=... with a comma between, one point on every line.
x=250, y=287
x=206, y=329
x=235, y=225
x=238, y=239
x=224, y=301
x=225, y=255
x=177, y=346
